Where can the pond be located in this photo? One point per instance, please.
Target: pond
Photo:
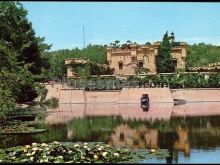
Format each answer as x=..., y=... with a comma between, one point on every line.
x=189, y=138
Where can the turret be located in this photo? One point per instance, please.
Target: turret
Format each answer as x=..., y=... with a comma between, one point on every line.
x=172, y=37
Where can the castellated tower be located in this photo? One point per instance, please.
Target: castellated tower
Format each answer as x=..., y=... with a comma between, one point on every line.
x=126, y=60
x=172, y=38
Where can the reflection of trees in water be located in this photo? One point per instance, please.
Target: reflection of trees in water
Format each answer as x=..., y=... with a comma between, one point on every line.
x=205, y=139
x=101, y=128
x=178, y=134
x=93, y=128
x=196, y=122
x=54, y=133
x=201, y=132
x=167, y=140
x=8, y=140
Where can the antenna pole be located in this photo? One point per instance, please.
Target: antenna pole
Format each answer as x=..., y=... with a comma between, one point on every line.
x=83, y=37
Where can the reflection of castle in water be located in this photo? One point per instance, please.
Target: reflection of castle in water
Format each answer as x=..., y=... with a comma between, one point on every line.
x=182, y=143
x=143, y=137
x=189, y=134
x=157, y=111
x=67, y=112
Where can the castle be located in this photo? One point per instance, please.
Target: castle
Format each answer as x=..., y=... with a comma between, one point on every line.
x=126, y=59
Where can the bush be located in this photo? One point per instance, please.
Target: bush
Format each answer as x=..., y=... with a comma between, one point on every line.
x=26, y=94
x=190, y=80
x=41, y=91
x=52, y=103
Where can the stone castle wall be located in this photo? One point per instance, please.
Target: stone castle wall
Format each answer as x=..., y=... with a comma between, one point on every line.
x=131, y=56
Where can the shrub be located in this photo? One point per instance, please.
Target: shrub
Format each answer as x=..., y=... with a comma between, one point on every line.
x=52, y=102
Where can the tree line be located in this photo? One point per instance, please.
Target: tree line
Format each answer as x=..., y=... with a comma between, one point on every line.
x=94, y=53
x=202, y=54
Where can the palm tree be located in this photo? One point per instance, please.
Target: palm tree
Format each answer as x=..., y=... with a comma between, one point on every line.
x=114, y=45
x=148, y=43
x=117, y=42
x=129, y=42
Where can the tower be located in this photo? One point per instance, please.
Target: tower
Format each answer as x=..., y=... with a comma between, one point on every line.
x=172, y=37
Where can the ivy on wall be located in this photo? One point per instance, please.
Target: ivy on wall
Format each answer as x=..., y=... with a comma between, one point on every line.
x=88, y=68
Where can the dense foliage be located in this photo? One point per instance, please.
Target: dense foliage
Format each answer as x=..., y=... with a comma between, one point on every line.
x=57, y=152
x=95, y=53
x=202, y=54
x=164, y=62
x=190, y=80
x=20, y=56
x=18, y=34
x=90, y=68
x=182, y=80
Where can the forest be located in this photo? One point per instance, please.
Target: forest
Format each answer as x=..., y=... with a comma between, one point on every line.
x=202, y=54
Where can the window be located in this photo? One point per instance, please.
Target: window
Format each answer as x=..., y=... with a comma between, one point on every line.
x=175, y=62
x=136, y=142
x=133, y=59
x=122, y=136
x=120, y=65
x=140, y=64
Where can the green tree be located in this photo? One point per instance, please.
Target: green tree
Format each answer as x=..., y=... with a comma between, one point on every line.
x=202, y=55
x=95, y=53
x=129, y=42
x=164, y=62
x=19, y=35
x=20, y=57
x=7, y=79
x=147, y=43
x=117, y=42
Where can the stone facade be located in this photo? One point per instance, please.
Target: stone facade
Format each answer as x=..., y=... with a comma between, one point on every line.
x=124, y=61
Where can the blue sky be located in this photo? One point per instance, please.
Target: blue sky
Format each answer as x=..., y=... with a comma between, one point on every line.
x=61, y=23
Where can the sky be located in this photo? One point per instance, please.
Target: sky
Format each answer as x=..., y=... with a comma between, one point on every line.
x=61, y=23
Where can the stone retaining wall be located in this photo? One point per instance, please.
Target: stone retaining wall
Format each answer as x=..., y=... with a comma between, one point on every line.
x=195, y=95
x=126, y=95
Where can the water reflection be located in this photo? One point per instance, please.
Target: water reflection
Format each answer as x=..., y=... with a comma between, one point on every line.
x=144, y=137
x=141, y=137
x=67, y=112
x=197, y=109
x=175, y=128
x=182, y=144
